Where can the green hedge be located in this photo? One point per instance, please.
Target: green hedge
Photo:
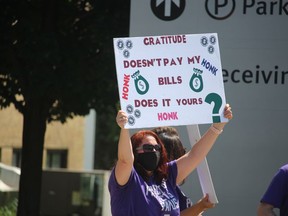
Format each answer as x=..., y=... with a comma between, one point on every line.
x=10, y=209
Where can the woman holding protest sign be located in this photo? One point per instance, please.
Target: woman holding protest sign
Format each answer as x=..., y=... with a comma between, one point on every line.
x=175, y=149
x=143, y=182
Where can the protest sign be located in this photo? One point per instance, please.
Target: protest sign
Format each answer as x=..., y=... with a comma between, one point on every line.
x=170, y=79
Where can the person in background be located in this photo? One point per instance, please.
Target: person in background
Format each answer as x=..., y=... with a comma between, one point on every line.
x=276, y=195
x=175, y=149
x=143, y=182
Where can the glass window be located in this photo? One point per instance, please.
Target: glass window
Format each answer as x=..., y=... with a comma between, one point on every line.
x=56, y=159
x=17, y=156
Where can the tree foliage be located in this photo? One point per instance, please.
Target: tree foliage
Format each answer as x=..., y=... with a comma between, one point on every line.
x=60, y=51
x=56, y=61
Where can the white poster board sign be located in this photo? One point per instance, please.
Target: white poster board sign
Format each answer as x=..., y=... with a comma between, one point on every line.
x=170, y=79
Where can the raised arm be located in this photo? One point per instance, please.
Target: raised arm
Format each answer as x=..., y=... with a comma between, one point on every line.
x=188, y=162
x=125, y=153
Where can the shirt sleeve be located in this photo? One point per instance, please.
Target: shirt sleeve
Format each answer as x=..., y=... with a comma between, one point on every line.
x=113, y=185
x=173, y=172
x=275, y=193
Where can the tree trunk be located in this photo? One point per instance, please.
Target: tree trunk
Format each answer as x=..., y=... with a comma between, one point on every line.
x=34, y=128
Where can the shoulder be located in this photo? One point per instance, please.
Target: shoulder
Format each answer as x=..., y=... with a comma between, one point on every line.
x=284, y=168
x=282, y=172
x=113, y=184
x=172, y=171
x=172, y=165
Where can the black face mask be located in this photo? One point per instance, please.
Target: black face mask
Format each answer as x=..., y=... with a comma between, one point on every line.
x=149, y=160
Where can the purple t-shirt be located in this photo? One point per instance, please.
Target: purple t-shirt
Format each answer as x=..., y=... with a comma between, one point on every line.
x=138, y=198
x=277, y=192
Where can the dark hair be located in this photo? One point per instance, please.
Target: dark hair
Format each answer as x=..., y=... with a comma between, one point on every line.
x=171, y=140
x=162, y=170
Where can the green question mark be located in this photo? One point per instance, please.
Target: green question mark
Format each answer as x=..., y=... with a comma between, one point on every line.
x=213, y=97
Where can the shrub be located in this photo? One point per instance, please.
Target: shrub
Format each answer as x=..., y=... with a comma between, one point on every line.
x=10, y=209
